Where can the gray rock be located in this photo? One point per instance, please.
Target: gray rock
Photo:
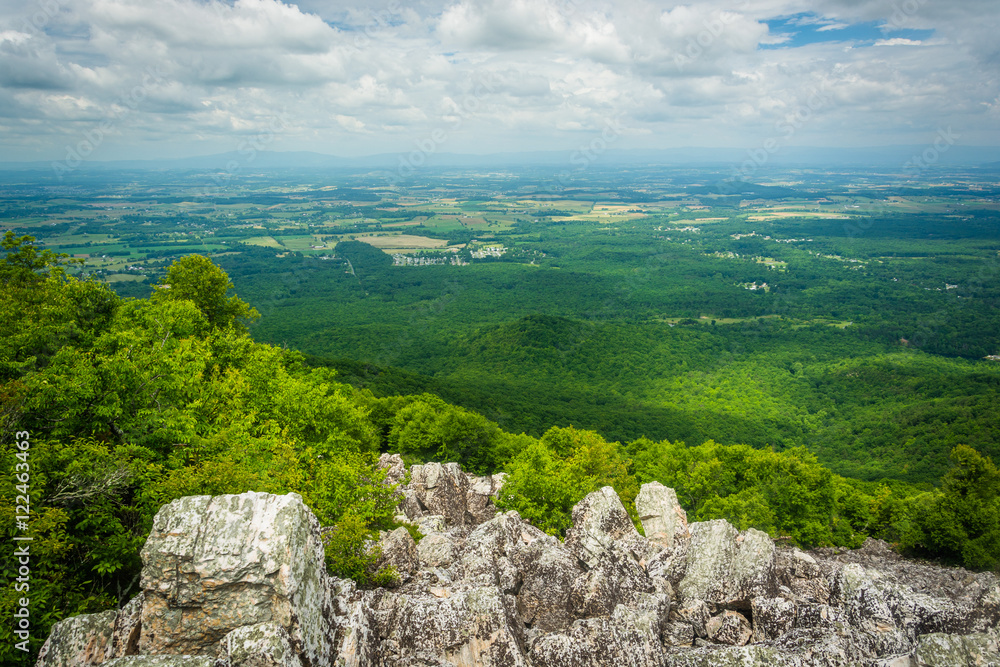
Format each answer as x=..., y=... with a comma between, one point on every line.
x=480, y=496
x=261, y=645
x=78, y=641
x=772, y=617
x=663, y=519
x=802, y=575
x=238, y=581
x=399, y=551
x=212, y=565
x=630, y=636
x=477, y=626
x=943, y=650
x=676, y=633
x=432, y=523
x=729, y=627
x=727, y=567
x=600, y=520
x=127, y=629
x=394, y=467
x=441, y=489
x=162, y=661
x=615, y=578
x=436, y=550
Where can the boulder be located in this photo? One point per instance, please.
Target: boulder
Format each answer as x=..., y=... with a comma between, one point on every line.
x=78, y=641
x=600, y=520
x=729, y=627
x=440, y=489
x=399, y=551
x=239, y=581
x=727, y=567
x=212, y=565
x=802, y=575
x=480, y=496
x=663, y=519
x=944, y=650
x=631, y=635
x=477, y=626
x=261, y=645
x=772, y=617
x=127, y=629
x=394, y=467
x=436, y=550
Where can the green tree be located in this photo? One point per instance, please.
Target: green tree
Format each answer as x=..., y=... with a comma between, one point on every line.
x=195, y=278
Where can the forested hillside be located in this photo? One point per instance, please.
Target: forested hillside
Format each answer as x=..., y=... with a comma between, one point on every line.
x=112, y=407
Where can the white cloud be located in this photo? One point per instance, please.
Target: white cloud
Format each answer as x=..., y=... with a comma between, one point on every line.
x=349, y=78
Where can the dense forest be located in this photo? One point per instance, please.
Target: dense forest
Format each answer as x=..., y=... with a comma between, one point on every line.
x=113, y=406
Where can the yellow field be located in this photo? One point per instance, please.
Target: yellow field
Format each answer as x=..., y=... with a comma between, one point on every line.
x=402, y=241
x=266, y=241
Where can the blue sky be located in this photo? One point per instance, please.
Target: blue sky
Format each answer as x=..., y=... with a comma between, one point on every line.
x=142, y=79
x=806, y=28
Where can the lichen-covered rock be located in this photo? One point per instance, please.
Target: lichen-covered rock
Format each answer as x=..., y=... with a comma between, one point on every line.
x=729, y=627
x=436, y=550
x=676, y=633
x=238, y=581
x=802, y=575
x=727, y=567
x=891, y=615
x=395, y=469
x=399, y=551
x=477, y=626
x=615, y=578
x=663, y=519
x=631, y=635
x=78, y=641
x=480, y=496
x=212, y=565
x=127, y=629
x=432, y=523
x=772, y=617
x=261, y=645
x=599, y=521
x=741, y=656
x=943, y=650
x=440, y=489
x=162, y=661
x=694, y=613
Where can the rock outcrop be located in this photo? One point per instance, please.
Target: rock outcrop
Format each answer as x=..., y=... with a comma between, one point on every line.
x=238, y=581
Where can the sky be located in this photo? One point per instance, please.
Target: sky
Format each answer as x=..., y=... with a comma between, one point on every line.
x=148, y=79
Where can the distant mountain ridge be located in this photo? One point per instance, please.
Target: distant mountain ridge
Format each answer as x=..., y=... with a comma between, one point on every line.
x=877, y=156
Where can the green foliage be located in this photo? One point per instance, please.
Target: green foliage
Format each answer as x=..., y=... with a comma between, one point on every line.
x=961, y=522
x=549, y=476
x=195, y=278
x=784, y=493
x=352, y=553
x=430, y=429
